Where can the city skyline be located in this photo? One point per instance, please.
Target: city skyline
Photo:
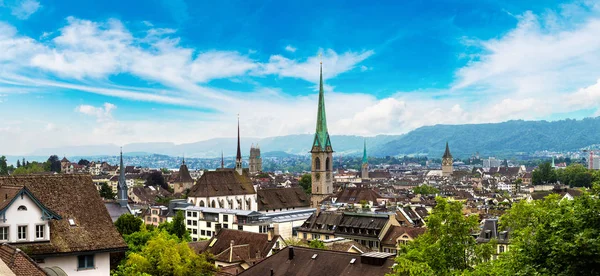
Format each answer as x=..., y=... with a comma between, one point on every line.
x=81, y=74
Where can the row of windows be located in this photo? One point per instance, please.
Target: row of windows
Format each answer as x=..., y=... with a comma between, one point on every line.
x=22, y=232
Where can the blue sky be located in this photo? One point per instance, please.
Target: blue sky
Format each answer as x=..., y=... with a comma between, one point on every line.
x=96, y=72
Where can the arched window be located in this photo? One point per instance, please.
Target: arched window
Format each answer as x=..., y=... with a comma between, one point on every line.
x=317, y=164
x=201, y=203
x=213, y=204
x=22, y=208
x=327, y=164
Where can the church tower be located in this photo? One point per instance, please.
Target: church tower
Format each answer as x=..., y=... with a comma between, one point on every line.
x=364, y=173
x=122, y=185
x=255, y=161
x=238, y=158
x=322, y=154
x=447, y=162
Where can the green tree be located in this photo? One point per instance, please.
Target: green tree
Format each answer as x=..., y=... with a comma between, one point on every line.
x=446, y=247
x=306, y=183
x=551, y=237
x=18, y=163
x=106, y=191
x=177, y=227
x=165, y=254
x=425, y=190
x=316, y=244
x=128, y=224
x=53, y=164
x=544, y=174
x=3, y=166
x=34, y=167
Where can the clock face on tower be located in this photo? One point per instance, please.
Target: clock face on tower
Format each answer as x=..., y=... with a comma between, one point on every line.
x=318, y=176
x=446, y=161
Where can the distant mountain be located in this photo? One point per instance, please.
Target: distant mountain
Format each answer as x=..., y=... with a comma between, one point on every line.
x=500, y=139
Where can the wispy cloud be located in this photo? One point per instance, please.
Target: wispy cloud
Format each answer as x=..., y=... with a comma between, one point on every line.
x=23, y=9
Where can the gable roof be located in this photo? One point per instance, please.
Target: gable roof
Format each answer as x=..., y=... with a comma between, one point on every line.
x=18, y=262
x=247, y=245
x=12, y=192
x=395, y=232
x=355, y=195
x=71, y=196
x=310, y=261
x=282, y=198
x=222, y=183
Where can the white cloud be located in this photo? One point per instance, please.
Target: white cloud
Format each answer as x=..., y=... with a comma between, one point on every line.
x=290, y=48
x=539, y=68
x=102, y=113
x=24, y=9
x=334, y=63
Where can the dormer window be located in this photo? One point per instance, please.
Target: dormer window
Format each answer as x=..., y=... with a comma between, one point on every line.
x=22, y=208
x=72, y=222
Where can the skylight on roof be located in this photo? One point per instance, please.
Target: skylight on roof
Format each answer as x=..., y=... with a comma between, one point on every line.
x=72, y=222
x=314, y=256
x=353, y=260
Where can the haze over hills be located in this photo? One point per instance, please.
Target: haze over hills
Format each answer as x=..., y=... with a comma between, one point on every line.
x=507, y=138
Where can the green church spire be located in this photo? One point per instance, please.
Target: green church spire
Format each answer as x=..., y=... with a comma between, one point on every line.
x=365, y=161
x=321, y=135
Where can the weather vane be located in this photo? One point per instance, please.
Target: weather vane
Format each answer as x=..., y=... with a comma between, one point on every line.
x=321, y=57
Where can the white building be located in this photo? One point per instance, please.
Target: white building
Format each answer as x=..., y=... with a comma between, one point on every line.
x=205, y=222
x=60, y=221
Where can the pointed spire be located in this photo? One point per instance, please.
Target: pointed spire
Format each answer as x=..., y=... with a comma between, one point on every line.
x=122, y=185
x=365, y=159
x=183, y=160
x=222, y=160
x=447, y=153
x=321, y=135
x=239, y=151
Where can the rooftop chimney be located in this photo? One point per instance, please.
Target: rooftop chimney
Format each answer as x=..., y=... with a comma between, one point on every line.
x=231, y=251
x=290, y=252
x=270, y=234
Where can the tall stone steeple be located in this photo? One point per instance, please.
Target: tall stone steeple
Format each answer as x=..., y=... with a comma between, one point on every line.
x=322, y=153
x=365, y=163
x=222, y=160
x=122, y=185
x=238, y=158
x=447, y=162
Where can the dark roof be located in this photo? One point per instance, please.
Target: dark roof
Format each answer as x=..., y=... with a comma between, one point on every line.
x=355, y=195
x=150, y=194
x=282, y=198
x=395, y=232
x=490, y=231
x=247, y=245
x=505, y=171
x=198, y=246
x=380, y=175
x=324, y=222
x=19, y=262
x=368, y=224
x=447, y=153
x=422, y=211
x=71, y=197
x=311, y=261
x=222, y=183
x=115, y=210
x=182, y=176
